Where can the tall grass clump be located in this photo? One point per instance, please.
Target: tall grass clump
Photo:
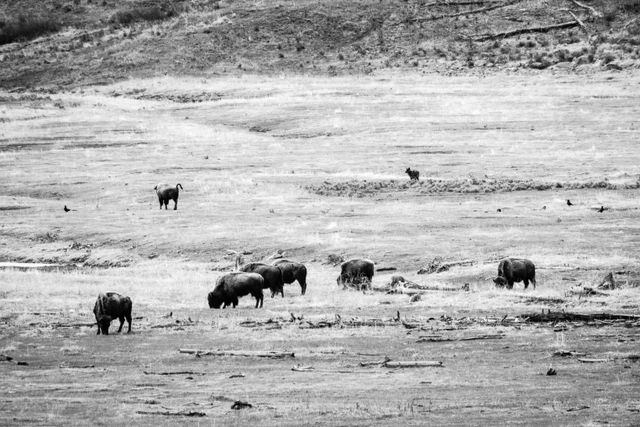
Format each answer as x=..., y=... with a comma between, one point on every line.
x=26, y=28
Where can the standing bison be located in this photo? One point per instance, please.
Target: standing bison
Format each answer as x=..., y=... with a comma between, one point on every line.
x=110, y=306
x=272, y=276
x=358, y=272
x=231, y=286
x=512, y=270
x=292, y=271
x=166, y=192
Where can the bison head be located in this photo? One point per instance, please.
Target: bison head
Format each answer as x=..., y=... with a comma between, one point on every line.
x=104, y=322
x=500, y=281
x=214, y=300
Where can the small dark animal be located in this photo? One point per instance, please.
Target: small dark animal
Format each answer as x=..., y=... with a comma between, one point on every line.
x=231, y=286
x=110, y=306
x=413, y=174
x=601, y=209
x=66, y=209
x=499, y=210
x=569, y=203
x=512, y=270
x=272, y=276
x=544, y=207
x=166, y=192
x=357, y=272
x=292, y=271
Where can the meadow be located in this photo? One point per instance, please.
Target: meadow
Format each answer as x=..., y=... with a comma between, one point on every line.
x=313, y=167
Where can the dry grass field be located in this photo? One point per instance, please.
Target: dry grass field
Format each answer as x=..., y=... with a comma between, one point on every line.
x=313, y=166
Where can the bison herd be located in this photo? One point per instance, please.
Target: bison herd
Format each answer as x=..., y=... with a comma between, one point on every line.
x=254, y=277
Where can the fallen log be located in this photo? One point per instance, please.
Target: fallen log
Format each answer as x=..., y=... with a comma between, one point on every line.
x=174, y=373
x=174, y=414
x=270, y=354
x=438, y=266
x=589, y=8
x=69, y=325
x=587, y=291
x=580, y=23
x=519, y=31
x=564, y=316
x=460, y=3
x=299, y=368
x=445, y=339
x=563, y=353
x=413, y=364
x=378, y=362
x=585, y=360
x=468, y=12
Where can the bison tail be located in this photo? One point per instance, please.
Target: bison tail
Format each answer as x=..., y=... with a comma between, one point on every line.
x=178, y=185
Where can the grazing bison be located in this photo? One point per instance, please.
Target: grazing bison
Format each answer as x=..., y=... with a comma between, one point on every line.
x=356, y=272
x=413, y=174
x=272, y=276
x=512, y=270
x=166, y=192
x=292, y=271
x=110, y=306
x=231, y=286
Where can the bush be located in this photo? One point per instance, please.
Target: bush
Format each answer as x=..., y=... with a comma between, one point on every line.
x=142, y=13
x=26, y=28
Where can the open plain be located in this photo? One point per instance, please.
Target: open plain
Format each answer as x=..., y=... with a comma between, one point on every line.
x=313, y=167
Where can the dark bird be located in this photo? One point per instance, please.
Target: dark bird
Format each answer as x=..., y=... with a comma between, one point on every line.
x=569, y=203
x=601, y=209
x=499, y=210
x=66, y=209
x=544, y=207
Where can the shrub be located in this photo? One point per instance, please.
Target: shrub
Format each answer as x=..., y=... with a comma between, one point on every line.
x=142, y=13
x=26, y=28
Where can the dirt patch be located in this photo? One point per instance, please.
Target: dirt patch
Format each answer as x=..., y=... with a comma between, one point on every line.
x=365, y=188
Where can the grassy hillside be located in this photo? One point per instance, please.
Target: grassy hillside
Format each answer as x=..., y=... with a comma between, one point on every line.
x=53, y=42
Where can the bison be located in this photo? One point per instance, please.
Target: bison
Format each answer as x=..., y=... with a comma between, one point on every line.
x=166, y=192
x=512, y=270
x=356, y=272
x=414, y=175
x=110, y=306
x=272, y=276
x=292, y=271
x=233, y=285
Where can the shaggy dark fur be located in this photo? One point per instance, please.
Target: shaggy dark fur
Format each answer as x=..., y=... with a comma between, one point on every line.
x=512, y=270
x=292, y=271
x=110, y=306
x=166, y=192
x=272, y=276
x=231, y=286
x=356, y=271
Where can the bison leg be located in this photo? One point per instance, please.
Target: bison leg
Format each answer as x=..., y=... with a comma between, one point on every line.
x=121, y=318
x=533, y=280
x=175, y=204
x=128, y=317
x=510, y=284
x=526, y=283
x=160, y=200
x=98, y=328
